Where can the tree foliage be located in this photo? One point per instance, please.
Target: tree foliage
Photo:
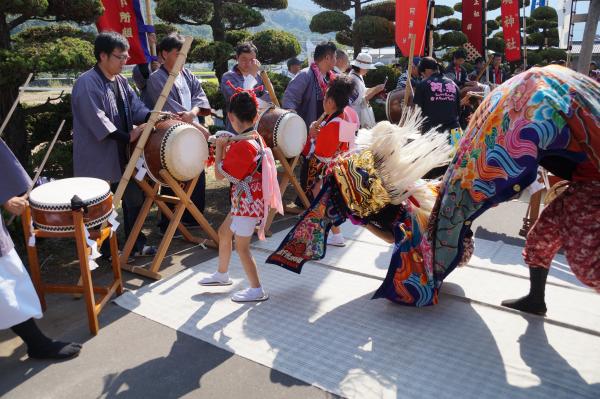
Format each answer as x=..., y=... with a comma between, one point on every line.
x=163, y=29
x=376, y=32
x=235, y=37
x=452, y=39
x=330, y=21
x=385, y=9
x=450, y=24
x=443, y=11
x=52, y=48
x=274, y=46
x=227, y=19
x=543, y=27
x=373, y=24
x=341, y=5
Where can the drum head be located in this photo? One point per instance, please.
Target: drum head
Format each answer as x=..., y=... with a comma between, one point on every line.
x=290, y=134
x=56, y=195
x=394, y=105
x=184, y=152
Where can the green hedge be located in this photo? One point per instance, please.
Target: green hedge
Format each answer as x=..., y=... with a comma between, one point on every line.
x=377, y=76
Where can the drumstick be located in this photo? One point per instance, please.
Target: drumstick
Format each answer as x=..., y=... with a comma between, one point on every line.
x=487, y=64
x=321, y=118
x=21, y=90
x=162, y=113
x=213, y=139
x=42, y=165
x=269, y=86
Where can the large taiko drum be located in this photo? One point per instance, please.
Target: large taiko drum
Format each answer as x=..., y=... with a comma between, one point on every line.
x=395, y=103
x=283, y=129
x=177, y=147
x=51, y=203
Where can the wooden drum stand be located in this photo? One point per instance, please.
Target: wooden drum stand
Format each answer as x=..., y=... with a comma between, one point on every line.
x=182, y=201
x=87, y=288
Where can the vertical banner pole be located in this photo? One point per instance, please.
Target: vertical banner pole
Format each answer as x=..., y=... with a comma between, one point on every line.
x=524, y=38
x=409, y=69
x=432, y=15
x=149, y=22
x=485, y=39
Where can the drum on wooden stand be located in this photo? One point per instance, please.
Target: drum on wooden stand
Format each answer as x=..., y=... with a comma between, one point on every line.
x=177, y=147
x=394, y=104
x=283, y=129
x=51, y=203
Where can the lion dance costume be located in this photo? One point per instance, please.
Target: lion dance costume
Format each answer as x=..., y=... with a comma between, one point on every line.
x=546, y=117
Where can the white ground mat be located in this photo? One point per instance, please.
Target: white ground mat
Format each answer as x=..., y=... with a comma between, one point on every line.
x=322, y=328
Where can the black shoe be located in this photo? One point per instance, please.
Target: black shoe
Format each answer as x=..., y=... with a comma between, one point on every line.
x=55, y=350
x=527, y=305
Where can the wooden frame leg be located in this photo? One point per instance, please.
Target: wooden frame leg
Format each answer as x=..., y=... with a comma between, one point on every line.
x=288, y=177
x=116, y=267
x=86, y=274
x=190, y=206
x=290, y=173
x=181, y=202
x=170, y=232
x=139, y=223
x=283, y=185
x=32, y=256
x=535, y=203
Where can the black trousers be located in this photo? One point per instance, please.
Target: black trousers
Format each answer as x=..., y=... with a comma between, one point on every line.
x=131, y=203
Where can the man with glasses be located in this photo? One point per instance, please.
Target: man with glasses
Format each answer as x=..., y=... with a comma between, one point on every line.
x=105, y=114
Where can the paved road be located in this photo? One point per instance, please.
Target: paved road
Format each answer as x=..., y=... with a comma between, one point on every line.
x=138, y=358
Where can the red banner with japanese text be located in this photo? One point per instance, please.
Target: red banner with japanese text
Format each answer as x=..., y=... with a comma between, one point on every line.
x=125, y=17
x=511, y=29
x=411, y=19
x=472, y=27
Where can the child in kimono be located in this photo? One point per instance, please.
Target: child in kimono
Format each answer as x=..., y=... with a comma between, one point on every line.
x=332, y=136
x=248, y=164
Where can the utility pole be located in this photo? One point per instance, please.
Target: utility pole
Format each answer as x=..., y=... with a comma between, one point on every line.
x=589, y=36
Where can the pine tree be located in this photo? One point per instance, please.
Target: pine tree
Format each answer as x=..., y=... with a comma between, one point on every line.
x=373, y=24
x=228, y=21
x=53, y=48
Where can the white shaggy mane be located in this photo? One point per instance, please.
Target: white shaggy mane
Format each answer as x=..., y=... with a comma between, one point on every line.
x=403, y=155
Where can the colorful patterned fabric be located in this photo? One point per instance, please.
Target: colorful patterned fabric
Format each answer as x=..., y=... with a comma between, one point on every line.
x=307, y=239
x=409, y=280
x=354, y=191
x=571, y=222
x=542, y=113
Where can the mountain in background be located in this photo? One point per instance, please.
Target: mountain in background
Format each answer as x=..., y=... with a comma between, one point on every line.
x=295, y=19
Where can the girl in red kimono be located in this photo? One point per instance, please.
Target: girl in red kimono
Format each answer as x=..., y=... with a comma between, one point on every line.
x=248, y=164
x=331, y=135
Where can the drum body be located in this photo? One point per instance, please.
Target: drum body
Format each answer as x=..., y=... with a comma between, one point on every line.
x=283, y=129
x=177, y=147
x=51, y=203
x=394, y=105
